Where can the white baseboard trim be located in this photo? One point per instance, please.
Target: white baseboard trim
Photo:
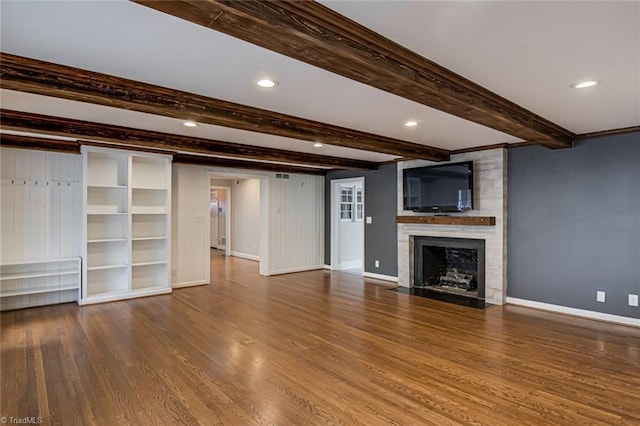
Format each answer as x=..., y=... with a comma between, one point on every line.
x=328, y=267
x=298, y=269
x=349, y=265
x=246, y=256
x=189, y=284
x=380, y=277
x=573, y=311
x=121, y=296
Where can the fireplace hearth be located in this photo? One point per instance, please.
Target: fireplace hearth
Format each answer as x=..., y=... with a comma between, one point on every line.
x=453, y=266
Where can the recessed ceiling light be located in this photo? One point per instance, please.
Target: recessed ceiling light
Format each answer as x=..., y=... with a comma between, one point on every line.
x=584, y=84
x=190, y=123
x=318, y=145
x=266, y=83
x=411, y=123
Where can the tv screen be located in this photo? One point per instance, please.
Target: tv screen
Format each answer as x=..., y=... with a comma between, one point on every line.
x=443, y=188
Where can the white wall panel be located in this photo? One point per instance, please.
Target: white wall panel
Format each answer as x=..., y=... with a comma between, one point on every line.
x=190, y=234
x=245, y=217
x=296, y=223
x=40, y=212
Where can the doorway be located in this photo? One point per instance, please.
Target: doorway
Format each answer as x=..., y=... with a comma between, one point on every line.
x=241, y=203
x=347, y=225
x=220, y=217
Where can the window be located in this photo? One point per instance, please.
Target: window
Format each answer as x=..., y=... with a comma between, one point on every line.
x=351, y=203
x=346, y=203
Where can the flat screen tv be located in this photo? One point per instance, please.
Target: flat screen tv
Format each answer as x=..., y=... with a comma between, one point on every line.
x=442, y=188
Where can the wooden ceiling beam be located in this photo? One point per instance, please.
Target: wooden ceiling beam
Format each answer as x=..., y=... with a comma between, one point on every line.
x=200, y=160
x=48, y=79
x=312, y=33
x=8, y=140
x=44, y=124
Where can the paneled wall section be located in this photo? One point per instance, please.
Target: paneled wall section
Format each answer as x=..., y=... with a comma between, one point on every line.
x=296, y=223
x=189, y=231
x=41, y=205
x=245, y=218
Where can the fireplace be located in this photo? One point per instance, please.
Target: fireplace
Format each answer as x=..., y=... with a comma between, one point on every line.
x=454, y=266
x=490, y=200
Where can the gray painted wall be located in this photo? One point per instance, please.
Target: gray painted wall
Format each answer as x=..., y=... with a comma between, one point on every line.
x=574, y=224
x=380, y=237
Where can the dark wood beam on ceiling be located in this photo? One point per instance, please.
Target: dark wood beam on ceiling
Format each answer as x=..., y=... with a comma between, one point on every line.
x=37, y=123
x=45, y=78
x=315, y=34
x=42, y=144
x=200, y=160
x=8, y=140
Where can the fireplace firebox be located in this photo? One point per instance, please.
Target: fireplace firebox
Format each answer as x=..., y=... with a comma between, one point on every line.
x=449, y=265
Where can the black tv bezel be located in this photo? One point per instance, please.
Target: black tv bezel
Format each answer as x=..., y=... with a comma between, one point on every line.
x=438, y=209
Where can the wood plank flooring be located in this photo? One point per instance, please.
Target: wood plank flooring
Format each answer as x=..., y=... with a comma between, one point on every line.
x=313, y=348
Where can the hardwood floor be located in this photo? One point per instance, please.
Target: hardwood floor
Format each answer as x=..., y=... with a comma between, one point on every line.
x=313, y=348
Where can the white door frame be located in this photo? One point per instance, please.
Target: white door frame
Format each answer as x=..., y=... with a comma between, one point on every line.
x=227, y=218
x=335, y=219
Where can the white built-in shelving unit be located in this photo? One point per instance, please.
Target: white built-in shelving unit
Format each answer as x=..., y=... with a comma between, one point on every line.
x=40, y=277
x=127, y=218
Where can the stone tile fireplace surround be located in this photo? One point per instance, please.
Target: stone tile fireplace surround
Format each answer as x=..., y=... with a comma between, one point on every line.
x=490, y=199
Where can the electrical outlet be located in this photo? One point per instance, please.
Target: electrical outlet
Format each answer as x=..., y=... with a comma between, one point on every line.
x=377, y=263
x=633, y=300
x=600, y=296
x=369, y=220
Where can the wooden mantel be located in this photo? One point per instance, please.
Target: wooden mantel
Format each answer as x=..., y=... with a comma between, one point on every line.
x=449, y=220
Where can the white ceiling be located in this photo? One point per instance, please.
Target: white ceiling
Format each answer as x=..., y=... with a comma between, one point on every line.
x=529, y=52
